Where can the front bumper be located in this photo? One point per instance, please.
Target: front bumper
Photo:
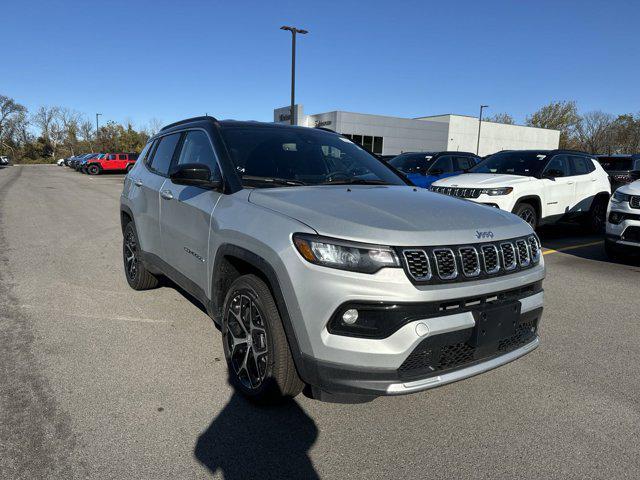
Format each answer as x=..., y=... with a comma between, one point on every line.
x=424, y=371
x=624, y=233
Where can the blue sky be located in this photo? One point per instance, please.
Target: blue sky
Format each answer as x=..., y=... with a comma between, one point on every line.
x=173, y=59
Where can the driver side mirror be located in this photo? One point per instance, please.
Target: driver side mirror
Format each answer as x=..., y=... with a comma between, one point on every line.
x=195, y=175
x=553, y=173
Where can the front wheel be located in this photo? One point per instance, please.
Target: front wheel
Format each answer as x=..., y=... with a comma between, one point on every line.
x=526, y=212
x=255, y=346
x=93, y=169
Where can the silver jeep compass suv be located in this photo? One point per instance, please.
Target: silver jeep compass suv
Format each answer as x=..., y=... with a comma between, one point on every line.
x=323, y=266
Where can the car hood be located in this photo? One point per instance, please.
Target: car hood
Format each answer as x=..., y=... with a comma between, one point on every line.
x=631, y=188
x=472, y=180
x=390, y=215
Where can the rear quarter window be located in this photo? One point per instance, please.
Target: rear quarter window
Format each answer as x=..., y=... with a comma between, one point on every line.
x=163, y=155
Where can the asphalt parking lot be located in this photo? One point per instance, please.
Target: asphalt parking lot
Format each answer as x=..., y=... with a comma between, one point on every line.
x=100, y=381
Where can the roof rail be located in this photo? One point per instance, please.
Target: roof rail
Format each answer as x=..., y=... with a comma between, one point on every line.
x=188, y=120
x=568, y=150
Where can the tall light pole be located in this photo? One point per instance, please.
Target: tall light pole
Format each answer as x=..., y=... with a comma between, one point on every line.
x=482, y=107
x=294, y=31
x=97, y=131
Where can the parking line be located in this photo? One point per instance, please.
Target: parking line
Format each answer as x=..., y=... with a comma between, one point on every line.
x=549, y=251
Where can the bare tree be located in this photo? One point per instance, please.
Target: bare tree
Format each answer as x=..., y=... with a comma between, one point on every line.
x=501, y=118
x=11, y=113
x=153, y=126
x=594, y=132
x=43, y=119
x=561, y=116
x=70, y=120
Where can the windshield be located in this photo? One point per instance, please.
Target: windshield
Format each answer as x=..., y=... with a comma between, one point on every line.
x=526, y=163
x=412, y=162
x=274, y=156
x=616, y=163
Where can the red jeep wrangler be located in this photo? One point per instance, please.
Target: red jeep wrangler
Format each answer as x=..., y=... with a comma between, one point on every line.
x=111, y=162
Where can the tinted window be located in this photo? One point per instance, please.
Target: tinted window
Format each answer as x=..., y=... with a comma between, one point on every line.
x=164, y=153
x=463, y=163
x=112, y=157
x=304, y=155
x=443, y=163
x=616, y=163
x=377, y=145
x=581, y=165
x=412, y=162
x=524, y=163
x=559, y=166
x=122, y=157
x=196, y=148
x=145, y=151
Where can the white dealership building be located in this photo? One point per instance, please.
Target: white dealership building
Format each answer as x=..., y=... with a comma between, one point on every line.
x=393, y=135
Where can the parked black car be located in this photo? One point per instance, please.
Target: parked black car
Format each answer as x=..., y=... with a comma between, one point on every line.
x=622, y=169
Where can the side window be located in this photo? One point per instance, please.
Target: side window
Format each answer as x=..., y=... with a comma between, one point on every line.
x=463, y=163
x=558, y=166
x=196, y=148
x=163, y=155
x=112, y=157
x=442, y=164
x=579, y=165
x=122, y=157
x=636, y=165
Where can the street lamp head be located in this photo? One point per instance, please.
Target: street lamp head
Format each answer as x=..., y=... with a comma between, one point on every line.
x=294, y=29
x=484, y=106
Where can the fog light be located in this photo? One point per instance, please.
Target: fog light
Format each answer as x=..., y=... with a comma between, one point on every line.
x=350, y=316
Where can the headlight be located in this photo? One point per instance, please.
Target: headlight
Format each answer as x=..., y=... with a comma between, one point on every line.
x=496, y=191
x=619, y=197
x=344, y=255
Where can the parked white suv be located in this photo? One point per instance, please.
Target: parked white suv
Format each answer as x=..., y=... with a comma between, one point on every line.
x=540, y=186
x=623, y=221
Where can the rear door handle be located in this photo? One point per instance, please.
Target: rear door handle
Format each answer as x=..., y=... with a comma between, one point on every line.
x=137, y=183
x=166, y=194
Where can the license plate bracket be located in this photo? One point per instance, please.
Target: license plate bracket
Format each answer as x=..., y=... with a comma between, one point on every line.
x=494, y=323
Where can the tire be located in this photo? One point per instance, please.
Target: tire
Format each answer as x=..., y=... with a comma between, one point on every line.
x=129, y=168
x=138, y=277
x=596, y=221
x=250, y=312
x=93, y=170
x=527, y=213
x=612, y=252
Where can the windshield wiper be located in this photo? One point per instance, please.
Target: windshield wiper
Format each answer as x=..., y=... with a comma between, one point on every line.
x=273, y=180
x=355, y=181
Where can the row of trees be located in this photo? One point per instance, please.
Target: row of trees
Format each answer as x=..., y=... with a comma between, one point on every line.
x=594, y=132
x=51, y=133
x=55, y=132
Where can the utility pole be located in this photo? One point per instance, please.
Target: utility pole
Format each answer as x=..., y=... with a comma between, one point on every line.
x=482, y=107
x=97, y=131
x=294, y=31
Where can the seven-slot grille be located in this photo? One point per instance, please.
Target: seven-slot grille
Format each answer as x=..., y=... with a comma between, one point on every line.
x=457, y=192
x=467, y=262
x=634, y=202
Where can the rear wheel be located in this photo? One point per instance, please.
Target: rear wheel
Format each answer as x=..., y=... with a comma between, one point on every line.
x=255, y=346
x=138, y=277
x=597, y=215
x=129, y=167
x=526, y=212
x=93, y=169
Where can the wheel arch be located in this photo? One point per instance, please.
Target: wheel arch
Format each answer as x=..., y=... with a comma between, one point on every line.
x=532, y=200
x=126, y=216
x=232, y=261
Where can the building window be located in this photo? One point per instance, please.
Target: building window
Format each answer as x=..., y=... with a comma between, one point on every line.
x=373, y=144
x=377, y=145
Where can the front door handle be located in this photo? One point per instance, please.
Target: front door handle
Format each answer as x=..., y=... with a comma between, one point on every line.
x=166, y=194
x=137, y=183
